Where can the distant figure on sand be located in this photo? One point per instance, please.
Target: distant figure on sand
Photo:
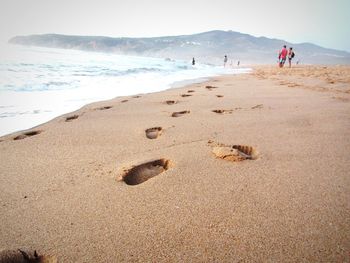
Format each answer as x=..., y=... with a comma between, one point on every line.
x=238, y=63
x=290, y=56
x=282, y=56
x=193, y=62
x=225, y=61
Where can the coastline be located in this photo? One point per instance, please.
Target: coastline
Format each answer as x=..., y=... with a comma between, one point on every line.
x=39, y=84
x=176, y=84
x=61, y=191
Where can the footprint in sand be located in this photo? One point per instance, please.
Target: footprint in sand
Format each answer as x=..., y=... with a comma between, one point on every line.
x=292, y=85
x=284, y=82
x=185, y=95
x=26, y=134
x=190, y=91
x=70, y=118
x=210, y=87
x=223, y=111
x=136, y=96
x=104, y=108
x=154, y=133
x=259, y=106
x=19, y=256
x=123, y=101
x=170, y=102
x=341, y=98
x=233, y=153
x=180, y=113
x=141, y=173
x=219, y=96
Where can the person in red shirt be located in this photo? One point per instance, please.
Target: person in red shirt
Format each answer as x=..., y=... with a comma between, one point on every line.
x=282, y=56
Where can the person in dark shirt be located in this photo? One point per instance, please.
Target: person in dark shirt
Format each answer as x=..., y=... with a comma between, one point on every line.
x=290, y=56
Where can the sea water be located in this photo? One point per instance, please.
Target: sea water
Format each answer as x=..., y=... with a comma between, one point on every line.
x=38, y=84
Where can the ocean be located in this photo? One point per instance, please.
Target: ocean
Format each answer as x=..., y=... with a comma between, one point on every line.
x=38, y=84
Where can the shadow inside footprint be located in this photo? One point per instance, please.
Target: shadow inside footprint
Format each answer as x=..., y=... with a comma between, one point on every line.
x=222, y=111
x=219, y=96
x=123, y=101
x=180, y=113
x=170, y=102
x=70, y=118
x=210, y=87
x=105, y=108
x=26, y=134
x=154, y=133
x=190, y=91
x=143, y=172
x=186, y=95
x=234, y=153
x=259, y=106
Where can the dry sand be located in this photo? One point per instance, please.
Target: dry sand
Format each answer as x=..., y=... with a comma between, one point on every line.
x=63, y=187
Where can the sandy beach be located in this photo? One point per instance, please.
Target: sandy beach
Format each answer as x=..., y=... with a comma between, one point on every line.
x=242, y=168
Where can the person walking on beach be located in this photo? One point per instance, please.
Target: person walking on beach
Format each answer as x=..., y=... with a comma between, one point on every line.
x=225, y=61
x=282, y=56
x=193, y=62
x=290, y=56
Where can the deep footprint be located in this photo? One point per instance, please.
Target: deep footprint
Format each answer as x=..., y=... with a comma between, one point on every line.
x=223, y=111
x=70, y=118
x=123, y=101
x=180, y=113
x=154, y=133
x=234, y=153
x=26, y=134
x=190, y=91
x=25, y=256
x=145, y=171
x=219, y=96
x=185, y=95
x=170, y=102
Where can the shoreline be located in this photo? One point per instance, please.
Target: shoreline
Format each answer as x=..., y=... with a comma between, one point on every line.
x=40, y=84
x=176, y=84
x=249, y=167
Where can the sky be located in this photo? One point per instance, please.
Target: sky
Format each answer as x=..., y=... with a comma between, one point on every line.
x=322, y=22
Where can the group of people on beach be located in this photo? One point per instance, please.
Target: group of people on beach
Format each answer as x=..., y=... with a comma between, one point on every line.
x=283, y=54
x=282, y=57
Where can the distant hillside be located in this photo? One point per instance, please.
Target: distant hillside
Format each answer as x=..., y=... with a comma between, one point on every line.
x=208, y=47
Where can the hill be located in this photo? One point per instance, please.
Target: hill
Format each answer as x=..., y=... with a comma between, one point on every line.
x=207, y=47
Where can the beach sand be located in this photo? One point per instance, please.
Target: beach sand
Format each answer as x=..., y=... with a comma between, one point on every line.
x=68, y=187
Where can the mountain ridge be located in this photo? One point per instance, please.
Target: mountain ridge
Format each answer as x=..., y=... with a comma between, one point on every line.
x=206, y=47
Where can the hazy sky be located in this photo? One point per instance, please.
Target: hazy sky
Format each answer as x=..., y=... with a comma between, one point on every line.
x=323, y=22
